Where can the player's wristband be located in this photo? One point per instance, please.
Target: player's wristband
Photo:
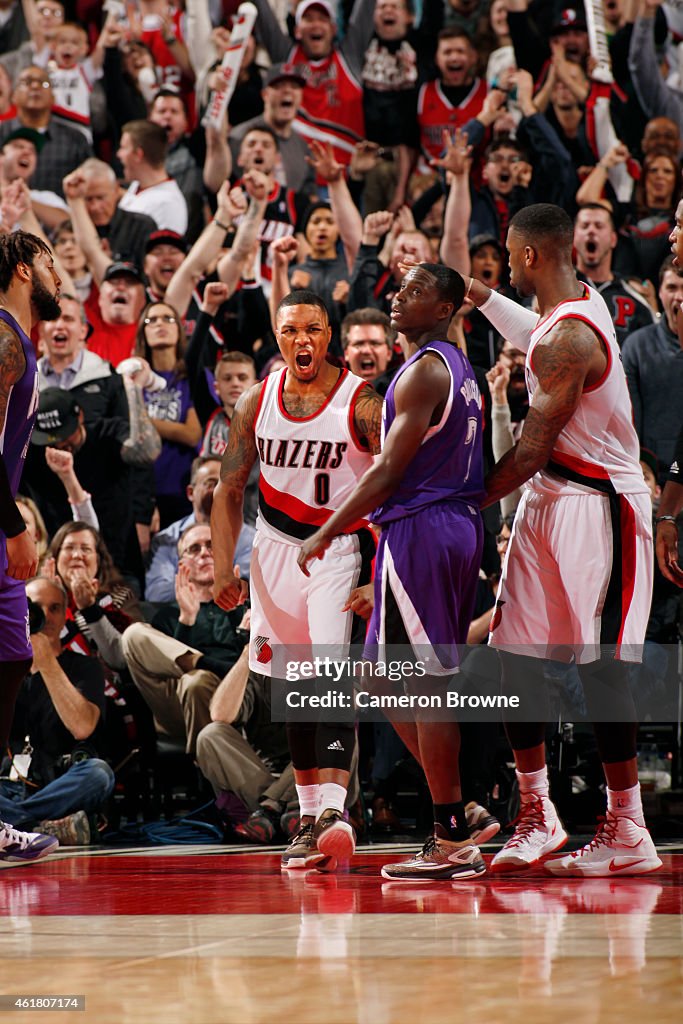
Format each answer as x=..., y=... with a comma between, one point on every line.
x=220, y=224
x=666, y=519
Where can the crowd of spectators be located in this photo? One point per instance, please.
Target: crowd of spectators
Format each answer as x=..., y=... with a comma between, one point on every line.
x=360, y=132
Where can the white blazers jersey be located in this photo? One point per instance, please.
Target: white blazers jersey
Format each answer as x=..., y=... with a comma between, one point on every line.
x=308, y=466
x=598, y=449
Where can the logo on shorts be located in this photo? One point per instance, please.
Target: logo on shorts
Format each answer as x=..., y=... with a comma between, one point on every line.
x=337, y=745
x=264, y=652
x=497, y=616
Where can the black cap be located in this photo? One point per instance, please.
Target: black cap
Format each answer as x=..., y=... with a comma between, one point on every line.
x=283, y=73
x=57, y=417
x=165, y=238
x=30, y=134
x=479, y=241
x=569, y=18
x=123, y=267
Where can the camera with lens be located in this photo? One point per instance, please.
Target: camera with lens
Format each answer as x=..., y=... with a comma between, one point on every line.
x=36, y=617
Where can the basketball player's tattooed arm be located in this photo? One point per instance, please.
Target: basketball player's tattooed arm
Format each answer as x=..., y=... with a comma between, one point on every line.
x=228, y=500
x=368, y=419
x=565, y=360
x=420, y=397
x=22, y=559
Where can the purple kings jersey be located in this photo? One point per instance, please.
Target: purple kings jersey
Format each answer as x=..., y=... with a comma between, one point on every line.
x=22, y=405
x=448, y=466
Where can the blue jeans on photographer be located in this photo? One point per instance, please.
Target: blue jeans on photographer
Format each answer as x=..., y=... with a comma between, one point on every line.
x=83, y=787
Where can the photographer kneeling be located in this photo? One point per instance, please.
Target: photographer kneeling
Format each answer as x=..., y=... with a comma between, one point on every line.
x=59, y=709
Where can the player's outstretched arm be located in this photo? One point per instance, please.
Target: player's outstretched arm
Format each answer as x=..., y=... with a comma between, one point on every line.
x=418, y=402
x=22, y=558
x=228, y=499
x=563, y=361
x=368, y=419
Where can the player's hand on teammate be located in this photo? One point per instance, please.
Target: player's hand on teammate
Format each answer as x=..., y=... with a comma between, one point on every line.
x=314, y=547
x=22, y=557
x=667, y=552
x=229, y=590
x=361, y=601
x=408, y=263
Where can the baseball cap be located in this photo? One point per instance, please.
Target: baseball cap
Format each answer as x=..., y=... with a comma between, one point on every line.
x=569, y=18
x=281, y=73
x=123, y=267
x=305, y=5
x=57, y=417
x=479, y=241
x=165, y=238
x=30, y=134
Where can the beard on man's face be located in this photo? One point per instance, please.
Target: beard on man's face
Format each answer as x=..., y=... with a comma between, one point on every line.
x=45, y=303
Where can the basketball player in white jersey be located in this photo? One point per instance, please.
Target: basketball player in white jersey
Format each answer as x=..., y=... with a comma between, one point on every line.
x=577, y=577
x=314, y=429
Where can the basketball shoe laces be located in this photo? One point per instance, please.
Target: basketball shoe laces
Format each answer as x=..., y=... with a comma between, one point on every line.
x=431, y=846
x=305, y=832
x=605, y=835
x=530, y=818
x=11, y=835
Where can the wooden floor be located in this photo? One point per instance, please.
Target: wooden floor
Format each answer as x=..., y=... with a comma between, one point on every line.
x=203, y=935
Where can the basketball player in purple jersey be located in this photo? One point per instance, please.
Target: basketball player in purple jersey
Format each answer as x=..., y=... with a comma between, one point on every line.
x=424, y=490
x=29, y=292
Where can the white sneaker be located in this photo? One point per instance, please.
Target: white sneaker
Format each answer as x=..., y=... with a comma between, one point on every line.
x=620, y=847
x=538, y=833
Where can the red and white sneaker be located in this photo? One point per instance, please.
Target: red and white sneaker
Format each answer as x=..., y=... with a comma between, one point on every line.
x=538, y=833
x=620, y=847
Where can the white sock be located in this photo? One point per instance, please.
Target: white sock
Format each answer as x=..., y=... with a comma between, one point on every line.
x=626, y=803
x=331, y=796
x=308, y=799
x=533, y=784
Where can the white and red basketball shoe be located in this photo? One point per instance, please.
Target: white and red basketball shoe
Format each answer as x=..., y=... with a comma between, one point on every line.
x=620, y=847
x=538, y=833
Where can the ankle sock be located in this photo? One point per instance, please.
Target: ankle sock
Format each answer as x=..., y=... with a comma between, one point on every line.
x=331, y=796
x=308, y=799
x=533, y=784
x=626, y=803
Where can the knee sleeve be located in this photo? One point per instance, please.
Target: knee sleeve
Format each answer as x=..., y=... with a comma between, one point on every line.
x=301, y=739
x=335, y=742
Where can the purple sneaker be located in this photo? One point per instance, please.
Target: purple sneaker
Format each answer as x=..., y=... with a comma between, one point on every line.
x=21, y=846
